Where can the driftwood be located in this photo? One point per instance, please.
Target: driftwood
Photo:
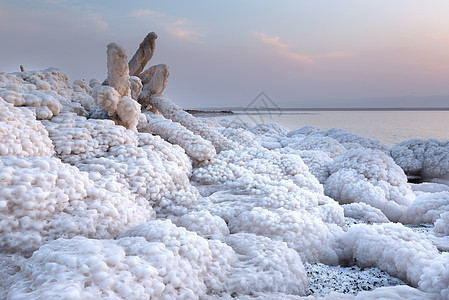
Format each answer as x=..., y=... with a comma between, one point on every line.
x=143, y=54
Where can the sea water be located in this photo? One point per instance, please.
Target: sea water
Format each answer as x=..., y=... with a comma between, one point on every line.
x=390, y=127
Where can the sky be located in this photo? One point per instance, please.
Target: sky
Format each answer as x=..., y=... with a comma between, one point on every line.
x=317, y=53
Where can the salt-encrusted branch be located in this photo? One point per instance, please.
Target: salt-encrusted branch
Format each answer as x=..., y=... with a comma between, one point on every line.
x=143, y=54
x=175, y=113
x=194, y=145
x=115, y=98
x=154, y=80
x=118, y=72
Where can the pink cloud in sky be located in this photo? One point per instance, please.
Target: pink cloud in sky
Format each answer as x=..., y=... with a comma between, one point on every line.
x=284, y=50
x=177, y=27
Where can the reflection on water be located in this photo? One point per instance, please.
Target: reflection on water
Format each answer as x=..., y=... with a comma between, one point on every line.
x=390, y=127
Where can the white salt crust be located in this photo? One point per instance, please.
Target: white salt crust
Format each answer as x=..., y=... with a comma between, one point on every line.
x=175, y=113
x=194, y=145
x=43, y=199
x=372, y=177
x=426, y=158
x=20, y=134
x=400, y=252
x=261, y=214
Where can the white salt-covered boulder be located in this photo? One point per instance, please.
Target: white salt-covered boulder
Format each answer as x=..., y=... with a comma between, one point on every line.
x=46, y=92
x=427, y=208
x=267, y=134
x=400, y=252
x=76, y=138
x=363, y=212
x=325, y=144
x=128, y=112
x=425, y=158
x=351, y=140
x=372, y=177
x=43, y=199
x=154, y=80
x=264, y=266
x=302, y=231
x=107, y=98
x=82, y=268
x=210, y=260
x=203, y=223
x=20, y=134
x=151, y=170
x=442, y=224
x=231, y=165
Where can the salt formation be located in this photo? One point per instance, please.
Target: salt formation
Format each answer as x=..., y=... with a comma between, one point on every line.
x=43, y=199
x=442, y=224
x=113, y=191
x=208, y=259
x=155, y=81
x=143, y=54
x=364, y=212
x=370, y=176
x=195, y=146
x=426, y=158
x=152, y=170
x=277, y=198
x=118, y=71
x=427, y=208
x=171, y=111
x=76, y=138
x=392, y=248
x=20, y=134
x=203, y=223
x=45, y=93
x=117, y=101
x=265, y=266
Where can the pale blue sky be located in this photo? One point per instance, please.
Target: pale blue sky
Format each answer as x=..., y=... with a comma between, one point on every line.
x=313, y=53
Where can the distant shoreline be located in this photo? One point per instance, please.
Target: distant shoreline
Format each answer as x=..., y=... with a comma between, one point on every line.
x=211, y=112
x=236, y=110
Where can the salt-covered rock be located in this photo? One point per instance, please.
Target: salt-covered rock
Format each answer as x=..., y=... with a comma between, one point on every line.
x=75, y=138
x=43, y=199
x=210, y=260
x=154, y=81
x=128, y=112
x=442, y=224
x=364, y=212
x=372, y=177
x=304, y=232
x=400, y=252
x=426, y=158
x=264, y=266
x=427, y=208
x=20, y=134
x=203, y=223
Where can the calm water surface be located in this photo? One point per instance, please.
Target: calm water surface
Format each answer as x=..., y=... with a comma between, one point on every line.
x=390, y=127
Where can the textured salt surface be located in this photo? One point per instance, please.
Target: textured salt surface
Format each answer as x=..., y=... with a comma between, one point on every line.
x=108, y=193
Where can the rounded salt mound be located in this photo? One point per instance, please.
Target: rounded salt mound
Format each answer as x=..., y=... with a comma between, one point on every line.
x=20, y=134
x=372, y=177
x=426, y=158
x=44, y=199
